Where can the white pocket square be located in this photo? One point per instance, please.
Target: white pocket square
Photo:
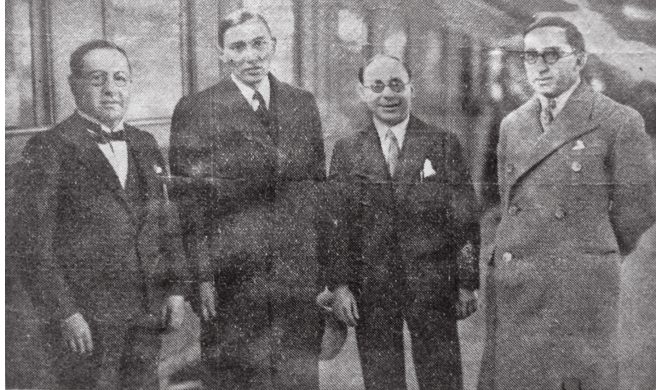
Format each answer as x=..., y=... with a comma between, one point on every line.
x=428, y=169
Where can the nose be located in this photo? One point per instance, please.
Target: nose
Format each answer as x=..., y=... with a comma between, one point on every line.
x=251, y=54
x=110, y=87
x=541, y=65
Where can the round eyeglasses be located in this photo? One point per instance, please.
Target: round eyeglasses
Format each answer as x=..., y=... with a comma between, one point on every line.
x=395, y=85
x=549, y=56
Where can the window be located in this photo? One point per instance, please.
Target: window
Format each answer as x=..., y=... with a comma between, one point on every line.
x=19, y=106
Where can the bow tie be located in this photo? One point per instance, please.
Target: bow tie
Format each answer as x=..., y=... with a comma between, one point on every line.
x=103, y=137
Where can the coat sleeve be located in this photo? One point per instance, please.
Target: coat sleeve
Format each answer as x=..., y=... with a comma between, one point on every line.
x=632, y=209
x=465, y=219
x=343, y=216
x=187, y=151
x=38, y=197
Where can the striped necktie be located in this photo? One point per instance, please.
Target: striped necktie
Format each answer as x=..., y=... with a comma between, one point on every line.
x=547, y=112
x=392, y=152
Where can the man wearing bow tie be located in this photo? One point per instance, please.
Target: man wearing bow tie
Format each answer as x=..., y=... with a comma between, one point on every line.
x=105, y=260
x=575, y=178
x=248, y=154
x=406, y=240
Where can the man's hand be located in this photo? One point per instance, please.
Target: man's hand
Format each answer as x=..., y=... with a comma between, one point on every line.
x=467, y=303
x=76, y=333
x=207, y=300
x=173, y=312
x=344, y=306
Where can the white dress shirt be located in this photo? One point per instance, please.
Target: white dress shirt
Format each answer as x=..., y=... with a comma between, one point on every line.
x=116, y=152
x=264, y=89
x=398, y=130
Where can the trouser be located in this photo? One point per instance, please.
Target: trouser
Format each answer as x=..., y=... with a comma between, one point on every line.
x=434, y=340
x=123, y=357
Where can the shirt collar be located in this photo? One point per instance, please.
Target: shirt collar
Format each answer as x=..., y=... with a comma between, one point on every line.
x=398, y=130
x=560, y=99
x=120, y=126
x=264, y=88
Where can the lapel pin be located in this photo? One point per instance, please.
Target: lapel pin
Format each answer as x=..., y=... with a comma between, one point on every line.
x=576, y=166
x=579, y=145
x=158, y=169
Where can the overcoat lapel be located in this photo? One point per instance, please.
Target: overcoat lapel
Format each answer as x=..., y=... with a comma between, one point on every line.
x=285, y=108
x=572, y=122
x=91, y=156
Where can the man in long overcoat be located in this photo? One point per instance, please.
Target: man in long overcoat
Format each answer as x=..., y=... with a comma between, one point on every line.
x=575, y=176
x=94, y=238
x=248, y=152
x=405, y=213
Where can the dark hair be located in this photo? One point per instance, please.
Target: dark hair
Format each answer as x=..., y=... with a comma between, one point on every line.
x=77, y=57
x=372, y=59
x=236, y=18
x=572, y=33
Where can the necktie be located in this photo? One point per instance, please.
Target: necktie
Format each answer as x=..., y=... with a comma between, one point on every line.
x=261, y=111
x=547, y=111
x=392, y=152
x=103, y=137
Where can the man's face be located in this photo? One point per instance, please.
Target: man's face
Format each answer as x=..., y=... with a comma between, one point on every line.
x=102, y=89
x=248, y=49
x=388, y=106
x=552, y=80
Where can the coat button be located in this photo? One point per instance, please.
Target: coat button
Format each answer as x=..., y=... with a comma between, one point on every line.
x=507, y=257
x=513, y=210
x=576, y=166
x=560, y=214
x=510, y=168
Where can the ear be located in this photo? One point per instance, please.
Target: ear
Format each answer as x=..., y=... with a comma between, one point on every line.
x=222, y=55
x=581, y=59
x=362, y=92
x=274, y=44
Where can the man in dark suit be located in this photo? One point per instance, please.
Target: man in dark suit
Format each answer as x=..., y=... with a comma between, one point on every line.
x=407, y=236
x=94, y=239
x=575, y=177
x=248, y=153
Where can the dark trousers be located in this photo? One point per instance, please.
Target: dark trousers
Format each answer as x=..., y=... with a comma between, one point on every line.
x=123, y=357
x=260, y=340
x=435, y=348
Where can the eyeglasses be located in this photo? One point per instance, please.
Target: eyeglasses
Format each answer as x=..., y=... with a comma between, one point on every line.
x=395, y=85
x=550, y=56
x=99, y=78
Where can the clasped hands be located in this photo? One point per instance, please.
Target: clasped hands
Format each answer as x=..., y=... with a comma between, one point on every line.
x=77, y=334
x=345, y=308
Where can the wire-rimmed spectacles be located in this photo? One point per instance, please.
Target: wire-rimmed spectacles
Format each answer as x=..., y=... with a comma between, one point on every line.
x=396, y=85
x=550, y=56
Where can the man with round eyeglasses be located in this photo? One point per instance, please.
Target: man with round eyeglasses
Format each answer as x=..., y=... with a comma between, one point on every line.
x=575, y=179
x=99, y=245
x=406, y=236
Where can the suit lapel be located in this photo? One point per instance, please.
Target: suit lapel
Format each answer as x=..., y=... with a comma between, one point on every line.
x=412, y=157
x=91, y=156
x=572, y=122
x=370, y=167
x=284, y=110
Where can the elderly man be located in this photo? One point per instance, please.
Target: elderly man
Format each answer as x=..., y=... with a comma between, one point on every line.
x=95, y=234
x=248, y=153
x=575, y=179
x=405, y=220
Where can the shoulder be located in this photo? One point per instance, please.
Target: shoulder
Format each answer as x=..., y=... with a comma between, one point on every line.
x=205, y=97
x=606, y=109
x=140, y=138
x=290, y=91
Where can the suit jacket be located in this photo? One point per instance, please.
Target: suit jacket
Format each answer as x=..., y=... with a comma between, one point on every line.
x=85, y=245
x=404, y=228
x=574, y=199
x=248, y=193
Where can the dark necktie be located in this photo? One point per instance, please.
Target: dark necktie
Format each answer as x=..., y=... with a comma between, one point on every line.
x=262, y=112
x=392, y=152
x=103, y=137
x=547, y=112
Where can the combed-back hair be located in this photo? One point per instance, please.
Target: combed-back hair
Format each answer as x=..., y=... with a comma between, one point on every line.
x=236, y=18
x=76, y=62
x=364, y=67
x=572, y=33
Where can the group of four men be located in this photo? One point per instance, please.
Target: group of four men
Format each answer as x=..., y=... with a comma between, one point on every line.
x=393, y=232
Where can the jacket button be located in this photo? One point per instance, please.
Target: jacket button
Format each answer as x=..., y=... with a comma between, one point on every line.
x=513, y=210
x=576, y=166
x=510, y=168
x=507, y=257
x=560, y=214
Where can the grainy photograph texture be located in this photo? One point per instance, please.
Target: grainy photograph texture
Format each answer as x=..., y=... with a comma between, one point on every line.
x=327, y=194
